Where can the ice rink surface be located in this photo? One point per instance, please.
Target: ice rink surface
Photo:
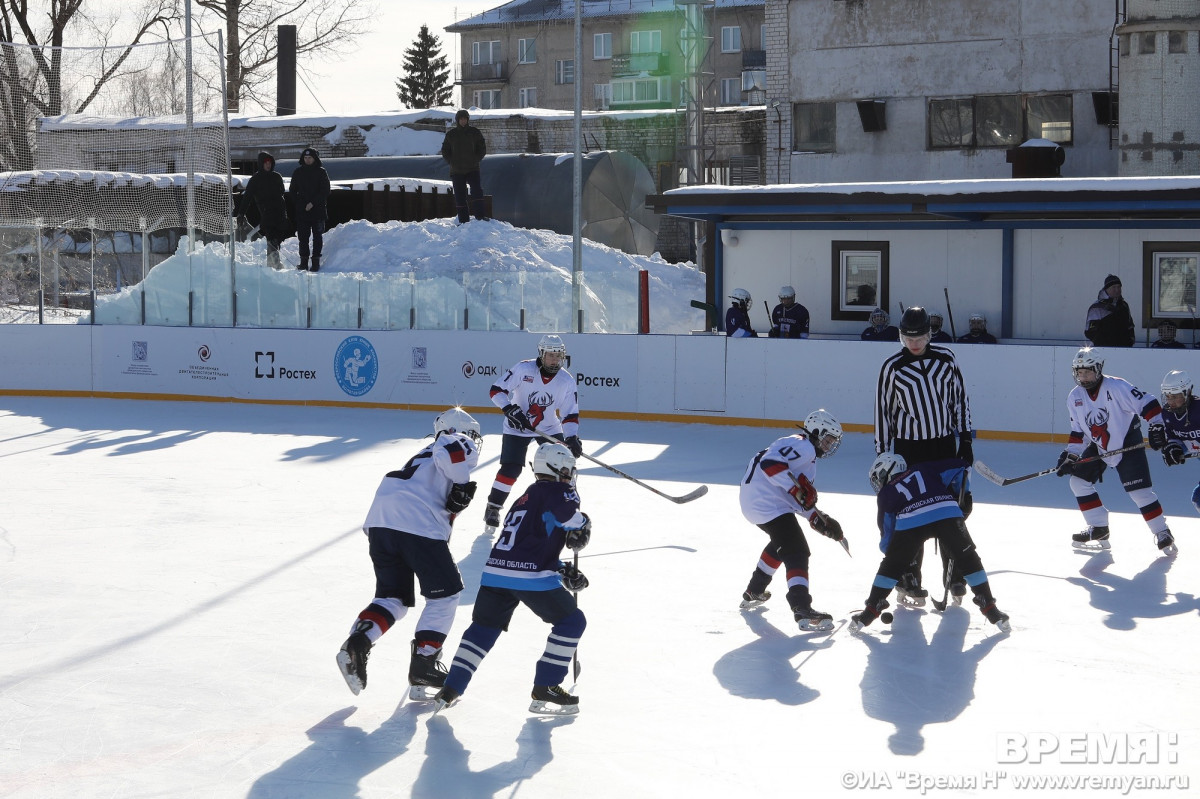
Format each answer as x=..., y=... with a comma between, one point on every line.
x=176, y=578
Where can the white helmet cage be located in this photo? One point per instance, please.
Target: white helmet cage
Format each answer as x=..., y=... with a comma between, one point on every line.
x=978, y=322
x=824, y=432
x=1176, y=382
x=554, y=461
x=552, y=345
x=935, y=321
x=741, y=297
x=886, y=466
x=879, y=318
x=456, y=420
x=1086, y=358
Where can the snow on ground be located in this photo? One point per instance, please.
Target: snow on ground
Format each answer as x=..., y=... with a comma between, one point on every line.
x=175, y=579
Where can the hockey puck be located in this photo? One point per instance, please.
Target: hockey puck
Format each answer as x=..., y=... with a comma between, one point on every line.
x=885, y=617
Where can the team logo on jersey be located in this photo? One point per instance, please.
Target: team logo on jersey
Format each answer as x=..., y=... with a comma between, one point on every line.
x=356, y=366
x=1097, y=422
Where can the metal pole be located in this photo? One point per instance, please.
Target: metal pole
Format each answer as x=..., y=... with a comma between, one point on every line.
x=577, y=186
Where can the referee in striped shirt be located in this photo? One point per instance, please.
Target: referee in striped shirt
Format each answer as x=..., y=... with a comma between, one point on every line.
x=922, y=413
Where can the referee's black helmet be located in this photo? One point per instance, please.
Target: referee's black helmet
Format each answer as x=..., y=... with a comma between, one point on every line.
x=914, y=322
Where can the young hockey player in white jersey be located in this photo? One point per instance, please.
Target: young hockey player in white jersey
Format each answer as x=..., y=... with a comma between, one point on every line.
x=1106, y=414
x=778, y=485
x=535, y=395
x=524, y=568
x=408, y=527
x=1181, y=415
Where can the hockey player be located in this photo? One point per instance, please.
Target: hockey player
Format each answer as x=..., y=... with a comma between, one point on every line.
x=936, y=334
x=1181, y=415
x=1106, y=413
x=524, y=568
x=408, y=527
x=978, y=333
x=777, y=486
x=536, y=396
x=737, y=318
x=881, y=328
x=914, y=505
x=1166, y=337
x=790, y=318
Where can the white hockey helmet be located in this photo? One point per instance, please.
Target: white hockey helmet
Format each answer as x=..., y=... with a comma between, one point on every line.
x=879, y=318
x=935, y=321
x=1088, y=359
x=1176, y=383
x=552, y=354
x=978, y=322
x=824, y=432
x=886, y=466
x=456, y=420
x=787, y=293
x=742, y=298
x=554, y=461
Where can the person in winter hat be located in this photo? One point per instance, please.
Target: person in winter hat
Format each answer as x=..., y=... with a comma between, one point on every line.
x=310, y=190
x=1109, y=322
x=265, y=192
x=464, y=149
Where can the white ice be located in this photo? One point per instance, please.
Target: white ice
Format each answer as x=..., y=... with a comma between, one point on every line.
x=175, y=579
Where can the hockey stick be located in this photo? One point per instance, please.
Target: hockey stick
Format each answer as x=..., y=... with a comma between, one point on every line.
x=688, y=497
x=986, y=471
x=575, y=667
x=770, y=321
x=950, y=313
x=946, y=578
x=845, y=544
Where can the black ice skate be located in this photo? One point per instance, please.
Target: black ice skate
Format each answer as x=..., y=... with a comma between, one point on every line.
x=812, y=620
x=1093, y=539
x=909, y=592
x=552, y=700
x=491, y=517
x=447, y=697
x=993, y=613
x=958, y=590
x=352, y=661
x=1166, y=543
x=752, y=600
x=867, y=615
x=426, y=675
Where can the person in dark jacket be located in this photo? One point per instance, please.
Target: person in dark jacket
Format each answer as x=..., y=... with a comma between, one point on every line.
x=265, y=191
x=1109, y=323
x=310, y=190
x=978, y=334
x=464, y=149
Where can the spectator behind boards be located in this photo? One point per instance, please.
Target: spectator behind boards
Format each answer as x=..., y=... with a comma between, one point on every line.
x=1109, y=323
x=265, y=191
x=790, y=318
x=978, y=333
x=310, y=190
x=464, y=149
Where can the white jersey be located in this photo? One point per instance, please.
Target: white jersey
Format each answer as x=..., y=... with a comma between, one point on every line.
x=772, y=474
x=552, y=404
x=413, y=499
x=1108, y=418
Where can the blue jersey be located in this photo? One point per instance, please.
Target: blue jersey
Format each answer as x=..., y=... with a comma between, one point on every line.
x=889, y=333
x=924, y=494
x=526, y=555
x=737, y=323
x=1184, y=428
x=789, y=322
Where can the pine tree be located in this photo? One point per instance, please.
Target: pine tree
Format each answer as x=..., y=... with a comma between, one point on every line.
x=426, y=81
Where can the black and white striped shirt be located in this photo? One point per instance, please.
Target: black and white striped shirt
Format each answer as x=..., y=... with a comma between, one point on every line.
x=920, y=397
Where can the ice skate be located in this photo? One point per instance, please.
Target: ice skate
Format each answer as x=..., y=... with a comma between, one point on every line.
x=993, y=613
x=491, y=517
x=1166, y=543
x=909, y=592
x=352, y=661
x=812, y=620
x=426, y=675
x=447, y=697
x=1093, y=539
x=867, y=615
x=958, y=590
x=552, y=700
x=753, y=600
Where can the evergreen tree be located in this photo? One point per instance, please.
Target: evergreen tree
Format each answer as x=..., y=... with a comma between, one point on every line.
x=426, y=81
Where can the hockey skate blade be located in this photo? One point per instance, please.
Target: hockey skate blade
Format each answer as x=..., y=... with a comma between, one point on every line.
x=352, y=682
x=423, y=693
x=1091, y=546
x=823, y=626
x=544, y=708
x=1004, y=626
x=747, y=604
x=1170, y=551
x=908, y=600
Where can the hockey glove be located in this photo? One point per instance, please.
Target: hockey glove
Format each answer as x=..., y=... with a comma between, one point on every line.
x=1173, y=453
x=965, y=451
x=578, y=539
x=516, y=417
x=1066, y=463
x=826, y=526
x=573, y=579
x=460, y=496
x=575, y=445
x=804, y=492
x=1158, y=437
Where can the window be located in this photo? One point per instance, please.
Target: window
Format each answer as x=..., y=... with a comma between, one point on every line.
x=645, y=42
x=526, y=51
x=731, y=39
x=731, y=91
x=1123, y=44
x=1169, y=282
x=564, y=71
x=814, y=127
x=602, y=46
x=485, y=52
x=860, y=279
x=487, y=98
x=1177, y=42
x=1048, y=117
x=1146, y=42
x=998, y=120
x=1003, y=120
x=641, y=90
x=527, y=97
x=602, y=92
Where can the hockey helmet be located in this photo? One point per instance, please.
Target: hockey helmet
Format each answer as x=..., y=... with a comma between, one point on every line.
x=787, y=295
x=1176, y=389
x=1087, y=359
x=935, y=322
x=1167, y=330
x=886, y=466
x=554, y=461
x=456, y=420
x=824, y=432
x=879, y=318
x=552, y=354
x=978, y=323
x=741, y=298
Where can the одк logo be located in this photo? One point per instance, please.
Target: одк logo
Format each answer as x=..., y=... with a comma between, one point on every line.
x=204, y=352
x=356, y=366
x=468, y=369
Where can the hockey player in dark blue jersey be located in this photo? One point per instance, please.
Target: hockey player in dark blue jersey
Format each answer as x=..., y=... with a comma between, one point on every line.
x=524, y=568
x=915, y=505
x=1181, y=415
x=737, y=316
x=881, y=328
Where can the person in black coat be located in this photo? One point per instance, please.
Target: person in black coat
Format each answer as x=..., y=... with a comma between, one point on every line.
x=1109, y=322
x=265, y=191
x=310, y=190
x=464, y=149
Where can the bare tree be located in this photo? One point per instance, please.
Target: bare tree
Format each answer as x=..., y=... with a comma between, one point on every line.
x=326, y=27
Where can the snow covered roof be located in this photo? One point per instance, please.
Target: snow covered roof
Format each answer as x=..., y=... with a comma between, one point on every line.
x=533, y=10
x=19, y=181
